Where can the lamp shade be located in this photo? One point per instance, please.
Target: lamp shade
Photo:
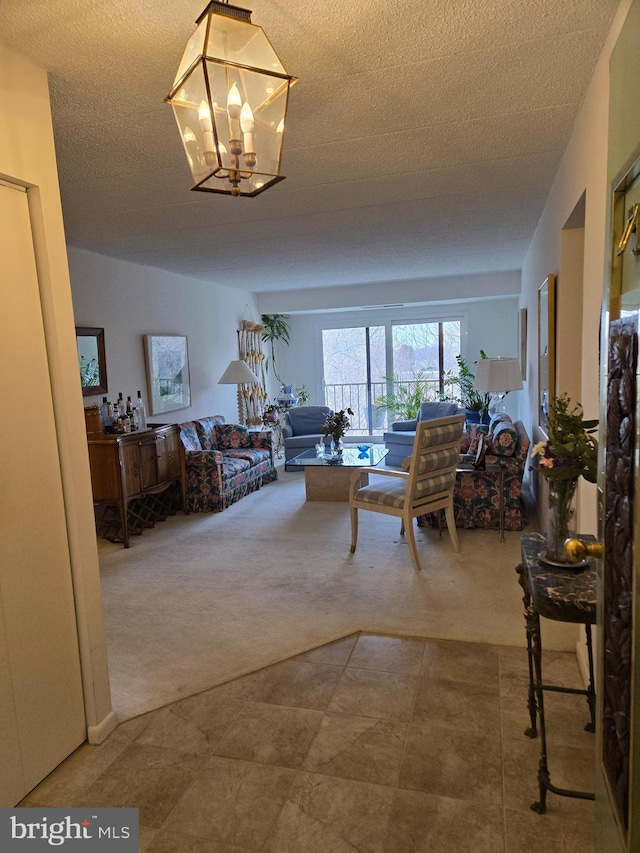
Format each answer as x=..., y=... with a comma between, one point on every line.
x=498, y=375
x=238, y=373
x=230, y=98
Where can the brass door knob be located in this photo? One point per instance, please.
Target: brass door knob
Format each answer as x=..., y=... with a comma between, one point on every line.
x=577, y=550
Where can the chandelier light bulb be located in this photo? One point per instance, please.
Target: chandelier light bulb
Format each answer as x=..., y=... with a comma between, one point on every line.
x=206, y=125
x=234, y=102
x=247, y=124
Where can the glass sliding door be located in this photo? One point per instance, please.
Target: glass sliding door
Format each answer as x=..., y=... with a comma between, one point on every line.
x=364, y=363
x=354, y=367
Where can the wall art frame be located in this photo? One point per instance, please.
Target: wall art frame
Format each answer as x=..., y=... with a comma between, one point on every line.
x=522, y=337
x=92, y=361
x=546, y=347
x=167, y=366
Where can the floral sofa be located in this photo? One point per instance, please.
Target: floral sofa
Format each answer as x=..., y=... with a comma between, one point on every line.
x=476, y=497
x=223, y=462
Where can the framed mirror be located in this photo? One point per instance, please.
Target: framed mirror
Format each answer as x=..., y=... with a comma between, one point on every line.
x=546, y=346
x=91, y=360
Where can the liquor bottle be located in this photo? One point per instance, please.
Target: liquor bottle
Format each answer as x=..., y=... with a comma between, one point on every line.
x=142, y=413
x=129, y=415
x=106, y=412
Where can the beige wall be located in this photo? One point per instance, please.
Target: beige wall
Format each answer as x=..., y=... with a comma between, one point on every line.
x=27, y=157
x=129, y=301
x=583, y=170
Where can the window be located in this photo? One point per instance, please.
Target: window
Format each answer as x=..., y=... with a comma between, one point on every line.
x=359, y=364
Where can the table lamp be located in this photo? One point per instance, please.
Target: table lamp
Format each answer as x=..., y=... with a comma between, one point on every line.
x=497, y=376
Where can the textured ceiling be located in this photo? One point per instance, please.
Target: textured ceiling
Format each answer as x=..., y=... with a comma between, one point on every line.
x=422, y=138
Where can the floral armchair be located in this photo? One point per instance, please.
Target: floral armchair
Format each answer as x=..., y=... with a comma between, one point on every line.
x=477, y=493
x=224, y=462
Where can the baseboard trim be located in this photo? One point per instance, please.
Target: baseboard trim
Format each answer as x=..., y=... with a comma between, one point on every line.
x=97, y=734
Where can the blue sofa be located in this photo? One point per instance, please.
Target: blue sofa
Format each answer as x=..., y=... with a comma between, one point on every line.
x=400, y=440
x=301, y=430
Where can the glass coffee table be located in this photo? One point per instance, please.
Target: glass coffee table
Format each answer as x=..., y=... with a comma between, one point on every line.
x=326, y=480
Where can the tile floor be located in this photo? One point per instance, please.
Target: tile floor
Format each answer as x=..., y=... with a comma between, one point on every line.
x=371, y=744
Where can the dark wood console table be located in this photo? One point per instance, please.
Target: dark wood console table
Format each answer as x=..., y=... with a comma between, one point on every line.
x=565, y=595
x=138, y=475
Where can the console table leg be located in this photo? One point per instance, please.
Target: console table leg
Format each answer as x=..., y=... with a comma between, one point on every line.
x=533, y=632
x=591, y=692
x=528, y=616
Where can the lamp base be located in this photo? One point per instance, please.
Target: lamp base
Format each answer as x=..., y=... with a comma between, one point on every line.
x=497, y=404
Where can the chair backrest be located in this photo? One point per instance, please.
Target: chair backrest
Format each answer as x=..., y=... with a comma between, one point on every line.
x=307, y=420
x=435, y=457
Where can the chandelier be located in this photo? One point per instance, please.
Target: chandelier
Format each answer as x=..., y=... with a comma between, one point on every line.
x=230, y=99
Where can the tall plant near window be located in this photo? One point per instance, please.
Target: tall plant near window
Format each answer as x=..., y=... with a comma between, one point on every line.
x=276, y=328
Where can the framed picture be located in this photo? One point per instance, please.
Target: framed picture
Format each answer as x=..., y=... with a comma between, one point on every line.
x=91, y=360
x=546, y=346
x=167, y=362
x=522, y=330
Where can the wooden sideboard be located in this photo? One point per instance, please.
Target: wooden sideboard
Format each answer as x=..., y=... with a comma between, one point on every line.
x=131, y=473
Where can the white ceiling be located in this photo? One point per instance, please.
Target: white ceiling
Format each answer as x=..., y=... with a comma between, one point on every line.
x=422, y=138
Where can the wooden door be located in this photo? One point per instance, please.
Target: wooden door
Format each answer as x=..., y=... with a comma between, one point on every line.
x=618, y=758
x=41, y=701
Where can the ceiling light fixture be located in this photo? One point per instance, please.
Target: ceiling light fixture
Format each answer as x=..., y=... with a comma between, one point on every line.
x=230, y=99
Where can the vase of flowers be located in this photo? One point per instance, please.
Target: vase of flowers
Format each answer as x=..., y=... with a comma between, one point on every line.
x=335, y=426
x=570, y=452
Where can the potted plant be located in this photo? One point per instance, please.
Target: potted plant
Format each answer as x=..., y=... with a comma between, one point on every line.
x=336, y=425
x=276, y=328
x=270, y=414
x=404, y=401
x=476, y=404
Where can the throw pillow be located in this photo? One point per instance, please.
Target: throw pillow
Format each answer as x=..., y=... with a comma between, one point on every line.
x=232, y=436
x=471, y=436
x=504, y=439
x=189, y=436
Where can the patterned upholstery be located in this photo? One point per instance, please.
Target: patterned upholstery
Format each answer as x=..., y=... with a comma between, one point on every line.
x=227, y=463
x=206, y=429
x=232, y=436
x=476, y=496
x=189, y=436
x=426, y=486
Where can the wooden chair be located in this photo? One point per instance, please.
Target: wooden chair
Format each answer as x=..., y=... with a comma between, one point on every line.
x=426, y=486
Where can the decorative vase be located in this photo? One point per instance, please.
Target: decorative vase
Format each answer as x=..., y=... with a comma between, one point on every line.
x=337, y=446
x=286, y=398
x=561, y=521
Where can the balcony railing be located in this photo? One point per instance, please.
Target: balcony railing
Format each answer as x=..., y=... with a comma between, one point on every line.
x=356, y=396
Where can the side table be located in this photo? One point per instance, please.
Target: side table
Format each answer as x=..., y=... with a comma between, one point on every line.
x=565, y=595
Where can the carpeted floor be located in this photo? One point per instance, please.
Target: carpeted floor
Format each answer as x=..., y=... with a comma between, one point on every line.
x=205, y=598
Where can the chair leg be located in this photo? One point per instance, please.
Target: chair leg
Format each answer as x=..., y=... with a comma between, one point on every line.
x=411, y=542
x=451, y=527
x=354, y=528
